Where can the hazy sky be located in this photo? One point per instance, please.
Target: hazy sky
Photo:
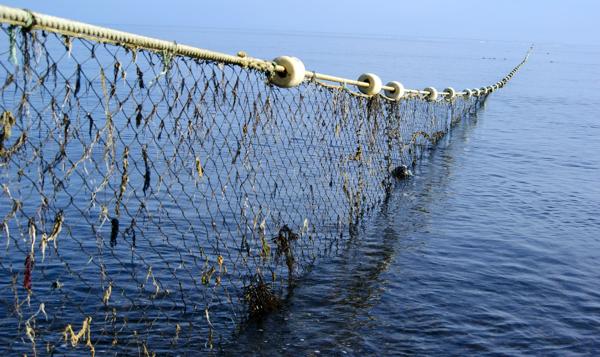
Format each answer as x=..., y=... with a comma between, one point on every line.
x=566, y=21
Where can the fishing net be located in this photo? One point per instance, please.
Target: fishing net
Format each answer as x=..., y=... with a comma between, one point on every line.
x=152, y=201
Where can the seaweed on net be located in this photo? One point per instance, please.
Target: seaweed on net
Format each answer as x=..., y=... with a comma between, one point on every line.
x=83, y=335
x=284, y=241
x=260, y=298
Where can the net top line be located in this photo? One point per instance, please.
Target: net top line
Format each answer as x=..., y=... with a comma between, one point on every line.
x=284, y=71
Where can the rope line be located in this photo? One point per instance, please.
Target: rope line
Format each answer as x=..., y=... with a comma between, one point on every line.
x=32, y=20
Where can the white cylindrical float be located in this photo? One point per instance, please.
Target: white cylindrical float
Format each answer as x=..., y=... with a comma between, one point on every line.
x=293, y=75
x=374, y=82
x=432, y=94
x=451, y=93
x=398, y=91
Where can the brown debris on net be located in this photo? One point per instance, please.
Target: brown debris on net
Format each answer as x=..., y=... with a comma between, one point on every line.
x=83, y=334
x=260, y=299
x=284, y=240
x=7, y=121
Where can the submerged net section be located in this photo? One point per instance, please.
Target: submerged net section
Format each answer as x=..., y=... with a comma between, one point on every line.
x=152, y=201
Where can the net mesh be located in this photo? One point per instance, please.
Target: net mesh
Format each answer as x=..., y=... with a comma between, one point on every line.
x=151, y=201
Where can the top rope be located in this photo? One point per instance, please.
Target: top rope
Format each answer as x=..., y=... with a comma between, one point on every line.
x=285, y=71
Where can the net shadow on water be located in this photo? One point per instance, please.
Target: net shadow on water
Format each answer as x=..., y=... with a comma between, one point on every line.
x=152, y=202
